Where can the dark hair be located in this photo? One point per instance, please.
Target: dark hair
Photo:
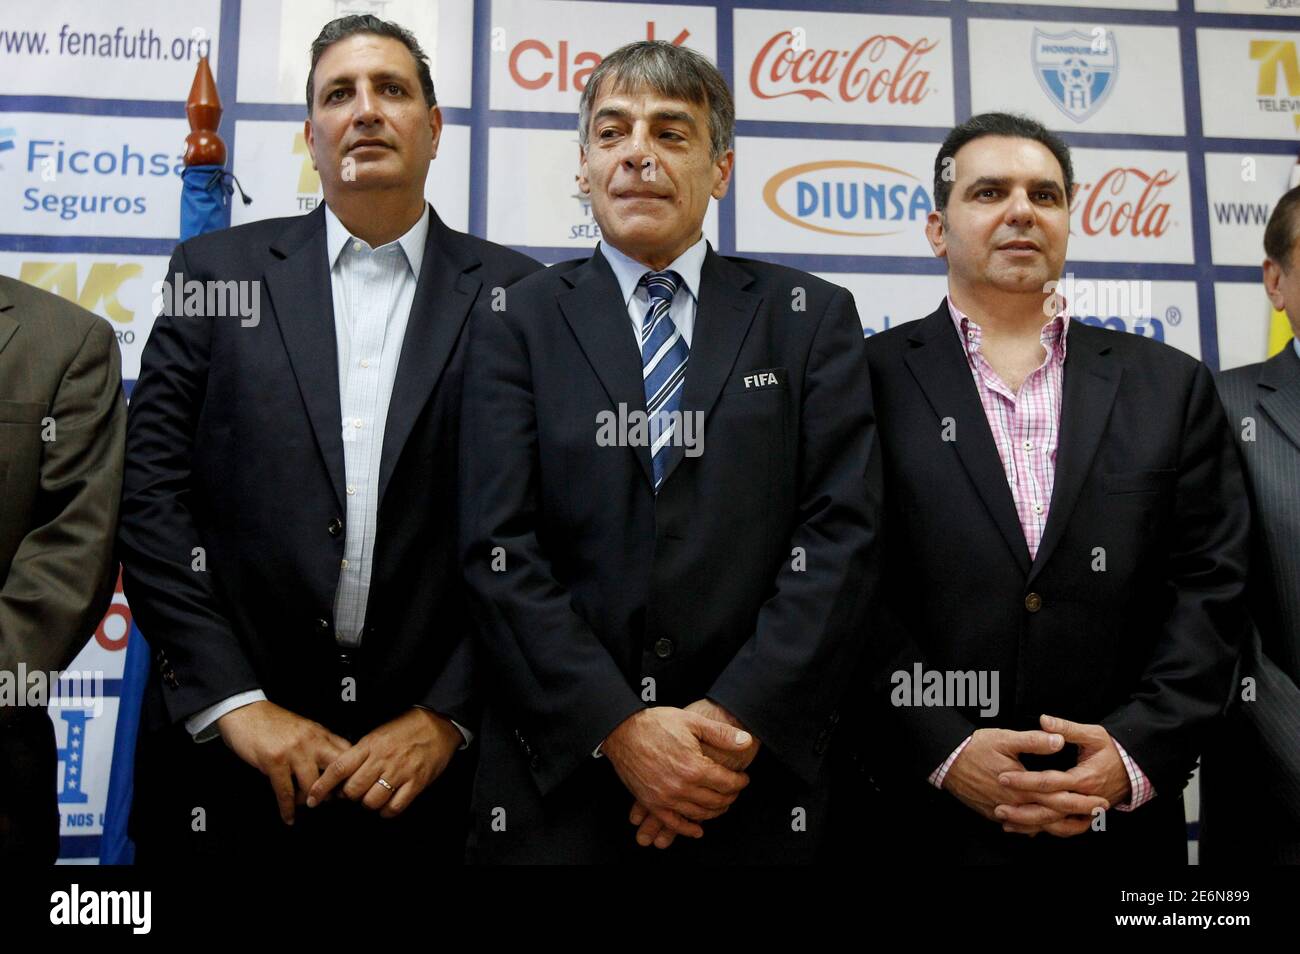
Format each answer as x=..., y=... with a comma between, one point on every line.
x=998, y=124
x=344, y=27
x=1279, y=234
x=668, y=70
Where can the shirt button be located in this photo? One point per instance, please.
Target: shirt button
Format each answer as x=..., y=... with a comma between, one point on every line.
x=663, y=648
x=356, y=246
x=357, y=422
x=365, y=363
x=1029, y=445
x=970, y=335
x=343, y=564
x=352, y=488
x=1038, y=508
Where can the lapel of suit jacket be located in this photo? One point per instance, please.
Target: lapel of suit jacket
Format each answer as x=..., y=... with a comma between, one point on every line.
x=723, y=315
x=940, y=367
x=8, y=324
x=1279, y=382
x=298, y=286
x=444, y=293
x=593, y=308
x=1091, y=382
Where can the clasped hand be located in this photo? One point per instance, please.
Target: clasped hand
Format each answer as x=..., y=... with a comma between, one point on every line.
x=989, y=778
x=682, y=767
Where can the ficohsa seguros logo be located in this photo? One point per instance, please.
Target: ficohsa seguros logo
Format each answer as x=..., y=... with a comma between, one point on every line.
x=94, y=176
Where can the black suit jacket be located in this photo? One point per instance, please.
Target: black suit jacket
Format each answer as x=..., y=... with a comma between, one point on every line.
x=743, y=580
x=1250, y=781
x=1130, y=614
x=234, y=446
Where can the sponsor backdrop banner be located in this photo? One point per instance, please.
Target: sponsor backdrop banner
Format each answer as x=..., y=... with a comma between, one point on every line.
x=1184, y=116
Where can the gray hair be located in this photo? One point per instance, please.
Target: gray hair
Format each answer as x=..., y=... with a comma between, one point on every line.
x=356, y=25
x=668, y=70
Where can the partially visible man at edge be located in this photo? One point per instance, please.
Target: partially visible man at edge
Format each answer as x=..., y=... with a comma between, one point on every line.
x=1250, y=779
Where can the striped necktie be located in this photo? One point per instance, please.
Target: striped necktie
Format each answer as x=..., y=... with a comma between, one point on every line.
x=663, y=367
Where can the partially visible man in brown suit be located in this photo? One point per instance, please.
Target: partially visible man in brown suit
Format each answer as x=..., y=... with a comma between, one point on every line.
x=62, y=430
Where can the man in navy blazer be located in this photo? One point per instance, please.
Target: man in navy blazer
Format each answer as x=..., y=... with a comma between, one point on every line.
x=288, y=518
x=668, y=505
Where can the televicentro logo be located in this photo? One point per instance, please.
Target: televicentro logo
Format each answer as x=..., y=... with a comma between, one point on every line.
x=102, y=907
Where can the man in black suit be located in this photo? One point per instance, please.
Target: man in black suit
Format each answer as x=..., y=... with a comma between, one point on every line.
x=667, y=512
x=1064, y=552
x=288, y=518
x=1250, y=780
x=62, y=425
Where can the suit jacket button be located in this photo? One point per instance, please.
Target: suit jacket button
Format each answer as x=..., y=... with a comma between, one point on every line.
x=335, y=527
x=323, y=625
x=1033, y=602
x=663, y=647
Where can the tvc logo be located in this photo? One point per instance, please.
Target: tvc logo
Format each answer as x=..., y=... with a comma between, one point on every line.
x=1277, y=56
x=308, y=177
x=98, y=294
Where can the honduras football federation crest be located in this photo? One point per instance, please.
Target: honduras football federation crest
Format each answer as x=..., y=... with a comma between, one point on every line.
x=1077, y=70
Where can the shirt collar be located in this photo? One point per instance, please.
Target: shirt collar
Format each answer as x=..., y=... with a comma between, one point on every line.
x=1054, y=332
x=1295, y=343
x=628, y=271
x=412, y=243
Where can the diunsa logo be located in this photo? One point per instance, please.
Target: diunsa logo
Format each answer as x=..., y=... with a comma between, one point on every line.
x=848, y=197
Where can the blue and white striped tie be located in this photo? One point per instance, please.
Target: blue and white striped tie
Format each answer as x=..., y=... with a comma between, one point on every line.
x=663, y=366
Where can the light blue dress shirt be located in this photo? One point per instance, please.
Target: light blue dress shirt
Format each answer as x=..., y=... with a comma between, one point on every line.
x=636, y=298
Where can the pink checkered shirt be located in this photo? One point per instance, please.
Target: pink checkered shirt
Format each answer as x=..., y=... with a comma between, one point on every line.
x=1026, y=427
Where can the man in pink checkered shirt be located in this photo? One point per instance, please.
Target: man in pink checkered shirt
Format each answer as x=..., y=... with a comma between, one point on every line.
x=1066, y=521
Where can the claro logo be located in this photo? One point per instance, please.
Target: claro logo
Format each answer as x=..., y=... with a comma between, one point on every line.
x=846, y=197
x=535, y=64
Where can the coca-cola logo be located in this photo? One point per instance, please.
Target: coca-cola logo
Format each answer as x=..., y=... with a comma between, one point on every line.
x=1124, y=200
x=882, y=66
